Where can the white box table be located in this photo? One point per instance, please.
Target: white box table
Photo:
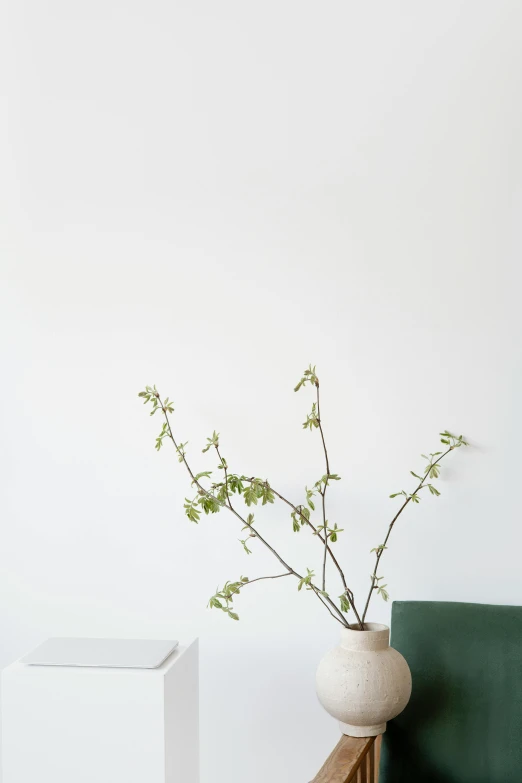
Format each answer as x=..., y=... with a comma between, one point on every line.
x=75, y=724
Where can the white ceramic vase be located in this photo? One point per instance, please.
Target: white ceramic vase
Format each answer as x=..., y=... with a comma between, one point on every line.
x=364, y=682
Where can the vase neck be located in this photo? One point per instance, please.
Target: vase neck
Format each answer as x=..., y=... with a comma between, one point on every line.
x=375, y=637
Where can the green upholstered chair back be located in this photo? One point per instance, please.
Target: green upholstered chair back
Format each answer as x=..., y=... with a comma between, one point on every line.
x=464, y=721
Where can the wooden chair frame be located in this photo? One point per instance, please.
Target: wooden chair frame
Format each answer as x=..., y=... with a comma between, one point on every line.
x=353, y=759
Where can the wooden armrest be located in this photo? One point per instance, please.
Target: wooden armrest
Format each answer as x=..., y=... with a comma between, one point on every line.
x=353, y=759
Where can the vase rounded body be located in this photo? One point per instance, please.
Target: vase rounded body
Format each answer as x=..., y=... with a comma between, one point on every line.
x=363, y=682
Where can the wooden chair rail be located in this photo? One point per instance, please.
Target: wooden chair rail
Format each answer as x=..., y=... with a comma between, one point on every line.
x=353, y=759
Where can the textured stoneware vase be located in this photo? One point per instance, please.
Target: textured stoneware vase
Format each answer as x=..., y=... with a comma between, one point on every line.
x=364, y=682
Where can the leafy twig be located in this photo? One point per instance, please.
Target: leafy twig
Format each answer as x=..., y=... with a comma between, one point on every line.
x=432, y=471
x=151, y=394
x=313, y=419
x=230, y=589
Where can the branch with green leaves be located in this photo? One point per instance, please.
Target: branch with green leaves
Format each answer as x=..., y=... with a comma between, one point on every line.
x=223, y=599
x=431, y=471
x=255, y=491
x=313, y=420
x=212, y=500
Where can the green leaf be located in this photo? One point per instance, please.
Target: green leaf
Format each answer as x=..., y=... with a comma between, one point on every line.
x=266, y=493
x=250, y=494
x=159, y=444
x=203, y=474
x=181, y=451
x=309, y=376
x=191, y=511
x=209, y=504
x=382, y=592
x=213, y=441
x=345, y=604
x=309, y=495
x=311, y=419
x=235, y=484
x=306, y=580
x=333, y=532
x=233, y=616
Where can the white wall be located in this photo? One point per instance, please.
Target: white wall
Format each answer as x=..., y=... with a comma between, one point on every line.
x=208, y=196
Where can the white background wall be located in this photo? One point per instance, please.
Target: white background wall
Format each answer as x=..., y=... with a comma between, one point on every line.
x=208, y=196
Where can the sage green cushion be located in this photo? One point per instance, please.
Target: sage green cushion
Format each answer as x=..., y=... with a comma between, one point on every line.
x=464, y=721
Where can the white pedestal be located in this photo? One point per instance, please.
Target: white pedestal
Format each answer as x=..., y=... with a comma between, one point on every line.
x=64, y=724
